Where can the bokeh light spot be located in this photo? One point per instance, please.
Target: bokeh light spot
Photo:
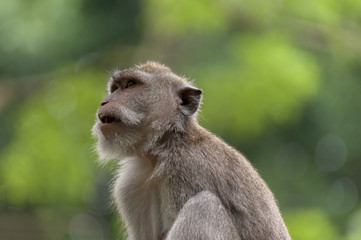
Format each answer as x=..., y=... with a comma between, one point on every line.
x=342, y=196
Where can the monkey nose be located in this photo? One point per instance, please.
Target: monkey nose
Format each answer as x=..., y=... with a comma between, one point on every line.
x=103, y=103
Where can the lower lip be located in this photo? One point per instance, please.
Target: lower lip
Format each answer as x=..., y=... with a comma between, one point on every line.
x=108, y=125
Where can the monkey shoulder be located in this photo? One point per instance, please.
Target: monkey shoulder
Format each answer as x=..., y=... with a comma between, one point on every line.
x=203, y=158
x=212, y=151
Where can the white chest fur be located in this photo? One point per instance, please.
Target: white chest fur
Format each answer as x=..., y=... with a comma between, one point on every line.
x=137, y=198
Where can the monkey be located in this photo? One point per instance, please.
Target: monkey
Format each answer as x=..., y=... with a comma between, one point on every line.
x=177, y=180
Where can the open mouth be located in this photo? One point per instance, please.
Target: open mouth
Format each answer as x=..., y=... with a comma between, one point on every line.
x=104, y=118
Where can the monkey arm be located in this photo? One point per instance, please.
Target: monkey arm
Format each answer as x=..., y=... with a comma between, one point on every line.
x=203, y=217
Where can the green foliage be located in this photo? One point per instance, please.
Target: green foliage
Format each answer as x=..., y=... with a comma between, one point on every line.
x=323, y=11
x=51, y=160
x=311, y=224
x=354, y=230
x=36, y=35
x=262, y=86
x=177, y=18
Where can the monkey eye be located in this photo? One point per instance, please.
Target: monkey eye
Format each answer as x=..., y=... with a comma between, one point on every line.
x=130, y=83
x=113, y=88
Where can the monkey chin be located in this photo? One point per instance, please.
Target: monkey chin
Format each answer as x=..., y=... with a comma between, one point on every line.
x=114, y=140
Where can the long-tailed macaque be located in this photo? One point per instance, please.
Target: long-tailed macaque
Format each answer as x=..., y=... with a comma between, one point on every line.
x=176, y=180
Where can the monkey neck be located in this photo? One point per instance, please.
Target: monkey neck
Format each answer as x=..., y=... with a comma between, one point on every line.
x=172, y=140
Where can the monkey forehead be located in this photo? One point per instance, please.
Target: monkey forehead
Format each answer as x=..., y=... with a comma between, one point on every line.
x=129, y=74
x=153, y=67
x=148, y=77
x=161, y=71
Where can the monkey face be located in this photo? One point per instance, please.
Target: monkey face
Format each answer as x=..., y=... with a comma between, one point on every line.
x=142, y=104
x=120, y=117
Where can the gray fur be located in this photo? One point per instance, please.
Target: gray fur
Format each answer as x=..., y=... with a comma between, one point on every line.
x=178, y=179
x=209, y=220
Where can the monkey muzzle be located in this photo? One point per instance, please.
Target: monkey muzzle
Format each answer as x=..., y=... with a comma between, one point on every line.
x=104, y=118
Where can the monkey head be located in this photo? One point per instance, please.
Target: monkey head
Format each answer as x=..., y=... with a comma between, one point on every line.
x=144, y=102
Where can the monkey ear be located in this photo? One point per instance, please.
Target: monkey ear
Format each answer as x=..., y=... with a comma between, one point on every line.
x=190, y=98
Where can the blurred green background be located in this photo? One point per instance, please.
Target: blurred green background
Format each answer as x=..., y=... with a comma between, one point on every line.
x=281, y=82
